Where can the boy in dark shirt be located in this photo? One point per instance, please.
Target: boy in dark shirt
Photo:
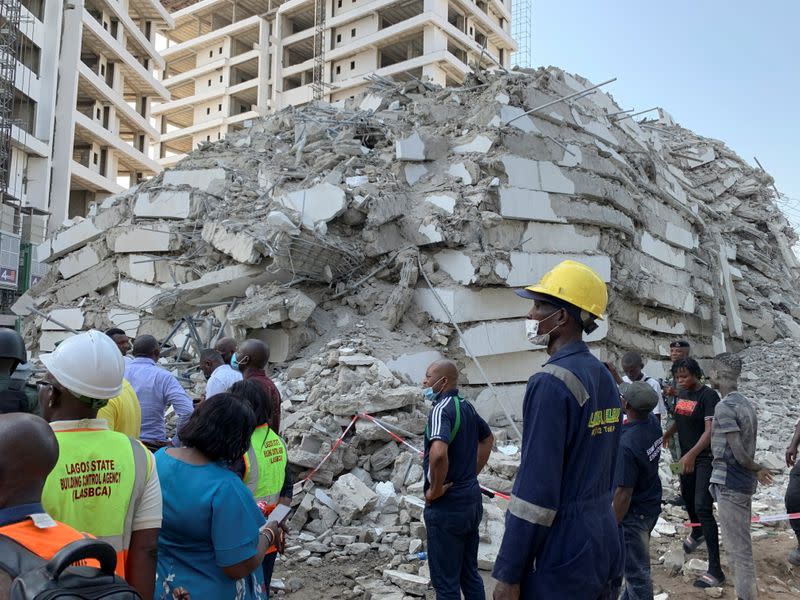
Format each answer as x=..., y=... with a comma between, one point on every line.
x=637, y=487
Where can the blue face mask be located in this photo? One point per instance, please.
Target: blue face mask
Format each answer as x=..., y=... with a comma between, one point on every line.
x=428, y=392
x=234, y=364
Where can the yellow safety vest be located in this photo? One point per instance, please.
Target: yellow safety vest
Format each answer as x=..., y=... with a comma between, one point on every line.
x=265, y=468
x=93, y=487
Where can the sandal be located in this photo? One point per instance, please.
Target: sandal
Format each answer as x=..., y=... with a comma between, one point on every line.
x=691, y=544
x=707, y=580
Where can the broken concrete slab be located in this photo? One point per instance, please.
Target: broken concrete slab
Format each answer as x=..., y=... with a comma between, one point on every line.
x=166, y=204
x=76, y=236
x=352, y=497
x=238, y=244
x=419, y=148
x=156, y=237
x=503, y=337
x=527, y=205
x=456, y=264
x=468, y=304
x=90, y=280
x=443, y=201
x=79, y=261
x=480, y=144
x=137, y=295
x=410, y=584
x=528, y=268
x=317, y=204
x=72, y=318
x=205, y=180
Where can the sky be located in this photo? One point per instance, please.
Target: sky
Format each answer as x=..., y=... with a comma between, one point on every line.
x=725, y=69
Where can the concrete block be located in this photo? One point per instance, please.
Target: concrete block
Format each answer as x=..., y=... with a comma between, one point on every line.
x=504, y=337
x=597, y=129
x=226, y=282
x=431, y=233
x=546, y=237
x=352, y=497
x=78, y=261
x=527, y=205
x=139, y=267
x=515, y=367
x=372, y=102
x=572, y=158
x=663, y=251
x=522, y=172
x=201, y=179
x=110, y=217
x=413, y=365
x=48, y=340
x=456, y=264
x=76, y=236
x=489, y=404
x=284, y=344
x=511, y=115
x=662, y=324
x=152, y=238
x=480, y=145
x=414, y=173
x=166, y=204
x=71, y=317
x=126, y=320
x=136, y=295
x=83, y=284
x=681, y=237
x=416, y=148
x=356, y=181
x=529, y=268
x=460, y=171
x=442, y=201
x=239, y=245
x=551, y=179
x=731, y=301
x=410, y=584
x=469, y=304
x=317, y=204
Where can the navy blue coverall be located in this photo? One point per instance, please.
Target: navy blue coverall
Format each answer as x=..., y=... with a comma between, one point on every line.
x=561, y=540
x=453, y=521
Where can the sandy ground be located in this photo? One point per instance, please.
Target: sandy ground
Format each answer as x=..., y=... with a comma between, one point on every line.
x=777, y=579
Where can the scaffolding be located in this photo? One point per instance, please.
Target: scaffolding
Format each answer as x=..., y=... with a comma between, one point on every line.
x=9, y=28
x=318, y=83
x=521, y=18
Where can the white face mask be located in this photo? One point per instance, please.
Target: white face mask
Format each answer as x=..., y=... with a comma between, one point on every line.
x=532, y=331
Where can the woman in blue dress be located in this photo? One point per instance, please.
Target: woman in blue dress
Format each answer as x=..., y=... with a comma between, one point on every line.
x=213, y=536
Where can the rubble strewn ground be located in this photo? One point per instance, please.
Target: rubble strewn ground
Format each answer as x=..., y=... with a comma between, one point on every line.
x=356, y=238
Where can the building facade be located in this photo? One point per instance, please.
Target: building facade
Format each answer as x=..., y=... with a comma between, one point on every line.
x=229, y=61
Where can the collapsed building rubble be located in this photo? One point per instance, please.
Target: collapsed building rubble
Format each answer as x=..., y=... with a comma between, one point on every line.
x=358, y=238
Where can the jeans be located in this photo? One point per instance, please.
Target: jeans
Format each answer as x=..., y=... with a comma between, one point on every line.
x=700, y=506
x=735, y=509
x=453, y=537
x=638, y=583
x=268, y=566
x=793, y=498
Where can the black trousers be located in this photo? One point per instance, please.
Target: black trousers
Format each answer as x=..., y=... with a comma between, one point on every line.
x=700, y=506
x=793, y=498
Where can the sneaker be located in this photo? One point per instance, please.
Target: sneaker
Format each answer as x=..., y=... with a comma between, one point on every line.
x=794, y=557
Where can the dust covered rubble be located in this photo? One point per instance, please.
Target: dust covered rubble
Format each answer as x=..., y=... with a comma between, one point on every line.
x=354, y=237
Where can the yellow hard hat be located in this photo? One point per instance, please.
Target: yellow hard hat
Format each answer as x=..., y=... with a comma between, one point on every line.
x=574, y=283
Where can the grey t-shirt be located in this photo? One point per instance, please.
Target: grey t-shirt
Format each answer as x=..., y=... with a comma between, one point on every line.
x=734, y=413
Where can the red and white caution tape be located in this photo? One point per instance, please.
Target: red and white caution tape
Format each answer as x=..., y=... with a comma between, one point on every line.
x=394, y=436
x=760, y=519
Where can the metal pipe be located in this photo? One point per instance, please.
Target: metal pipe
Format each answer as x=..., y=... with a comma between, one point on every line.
x=570, y=97
x=641, y=112
x=52, y=320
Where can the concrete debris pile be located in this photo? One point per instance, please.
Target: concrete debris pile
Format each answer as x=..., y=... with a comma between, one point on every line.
x=413, y=208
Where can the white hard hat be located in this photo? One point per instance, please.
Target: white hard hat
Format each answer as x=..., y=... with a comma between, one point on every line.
x=88, y=364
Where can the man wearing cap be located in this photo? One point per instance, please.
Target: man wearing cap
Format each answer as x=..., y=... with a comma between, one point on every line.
x=637, y=486
x=104, y=482
x=561, y=540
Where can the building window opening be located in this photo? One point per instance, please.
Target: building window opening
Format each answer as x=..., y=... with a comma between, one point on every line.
x=352, y=65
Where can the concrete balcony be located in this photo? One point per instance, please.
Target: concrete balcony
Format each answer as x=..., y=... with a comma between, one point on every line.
x=28, y=143
x=98, y=40
x=135, y=35
x=87, y=179
x=124, y=110
x=191, y=47
x=129, y=156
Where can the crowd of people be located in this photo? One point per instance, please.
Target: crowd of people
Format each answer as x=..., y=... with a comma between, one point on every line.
x=188, y=515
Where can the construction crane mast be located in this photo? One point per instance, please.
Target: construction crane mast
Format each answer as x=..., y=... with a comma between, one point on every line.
x=521, y=18
x=9, y=26
x=318, y=83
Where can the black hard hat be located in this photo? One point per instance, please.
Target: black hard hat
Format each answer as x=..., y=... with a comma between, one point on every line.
x=12, y=345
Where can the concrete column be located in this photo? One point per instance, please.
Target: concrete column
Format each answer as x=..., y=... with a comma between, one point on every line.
x=65, y=99
x=262, y=98
x=276, y=47
x=438, y=7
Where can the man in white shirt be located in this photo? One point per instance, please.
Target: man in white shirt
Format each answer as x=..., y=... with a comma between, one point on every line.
x=632, y=365
x=220, y=376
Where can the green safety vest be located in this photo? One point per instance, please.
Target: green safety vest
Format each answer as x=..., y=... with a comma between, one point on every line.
x=94, y=486
x=265, y=465
x=456, y=425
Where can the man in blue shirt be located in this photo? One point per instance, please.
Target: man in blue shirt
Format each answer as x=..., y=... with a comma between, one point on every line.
x=637, y=495
x=157, y=389
x=561, y=540
x=457, y=445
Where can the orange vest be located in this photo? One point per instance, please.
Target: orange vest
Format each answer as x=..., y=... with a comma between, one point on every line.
x=44, y=542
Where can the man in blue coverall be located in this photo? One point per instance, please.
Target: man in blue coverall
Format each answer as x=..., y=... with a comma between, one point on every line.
x=561, y=540
x=457, y=445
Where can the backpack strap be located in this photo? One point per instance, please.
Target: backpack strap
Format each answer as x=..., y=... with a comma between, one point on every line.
x=16, y=559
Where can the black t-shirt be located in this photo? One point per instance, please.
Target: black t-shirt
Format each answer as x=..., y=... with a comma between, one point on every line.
x=637, y=465
x=462, y=450
x=692, y=410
